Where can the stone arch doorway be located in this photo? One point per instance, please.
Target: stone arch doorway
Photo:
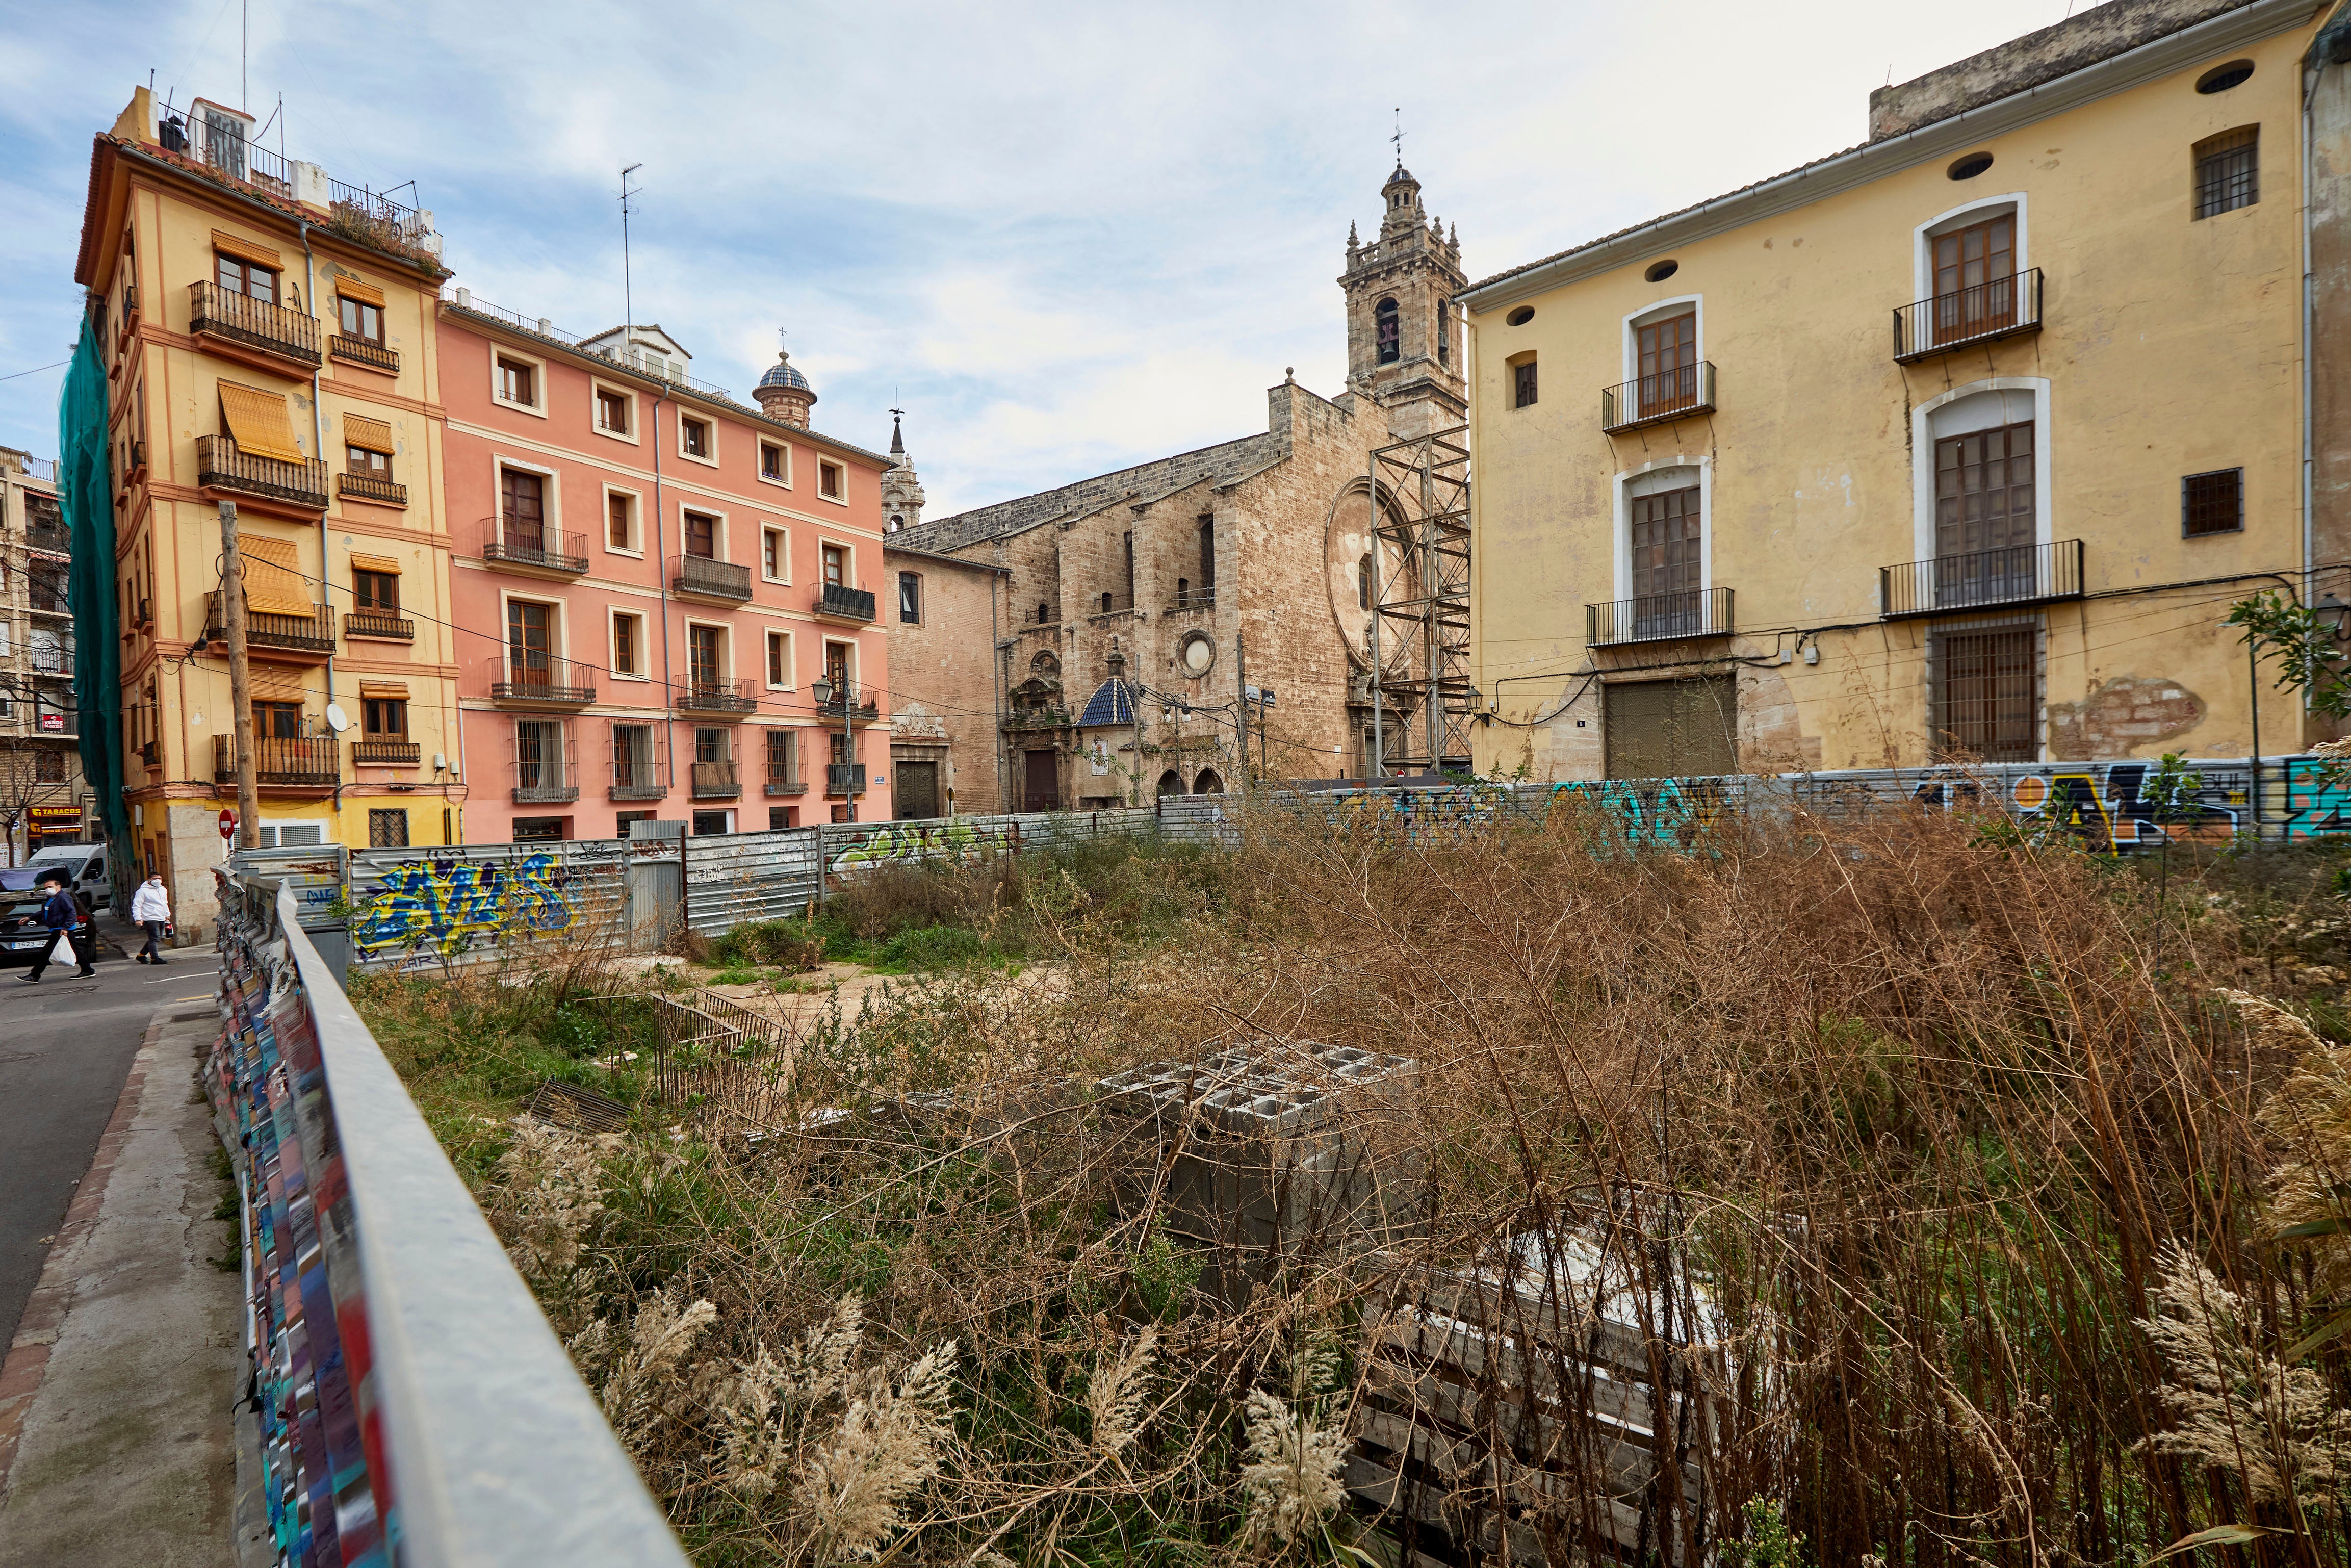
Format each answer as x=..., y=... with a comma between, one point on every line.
x=1208, y=783
x=1171, y=783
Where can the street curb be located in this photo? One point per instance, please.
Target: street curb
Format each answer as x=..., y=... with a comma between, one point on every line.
x=26, y=1364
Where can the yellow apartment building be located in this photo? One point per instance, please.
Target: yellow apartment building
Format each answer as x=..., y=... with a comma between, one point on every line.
x=268, y=339
x=1955, y=445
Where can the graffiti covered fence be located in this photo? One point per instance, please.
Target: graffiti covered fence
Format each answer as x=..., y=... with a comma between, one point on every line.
x=462, y=903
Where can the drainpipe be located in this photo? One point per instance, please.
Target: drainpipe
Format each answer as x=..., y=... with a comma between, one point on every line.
x=2310, y=74
x=660, y=576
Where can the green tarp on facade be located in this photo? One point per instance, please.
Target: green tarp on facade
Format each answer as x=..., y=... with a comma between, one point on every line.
x=85, y=492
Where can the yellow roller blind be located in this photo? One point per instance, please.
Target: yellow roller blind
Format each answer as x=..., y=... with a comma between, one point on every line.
x=257, y=422
x=383, y=688
x=374, y=563
x=351, y=287
x=246, y=250
x=373, y=434
x=274, y=584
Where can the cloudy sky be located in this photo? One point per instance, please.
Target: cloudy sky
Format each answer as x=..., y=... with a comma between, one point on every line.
x=1063, y=237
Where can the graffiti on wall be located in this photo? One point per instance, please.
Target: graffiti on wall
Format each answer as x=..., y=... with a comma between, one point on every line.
x=444, y=905
x=2109, y=807
x=2316, y=800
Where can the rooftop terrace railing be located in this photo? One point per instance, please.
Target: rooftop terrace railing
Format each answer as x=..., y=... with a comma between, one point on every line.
x=409, y=1386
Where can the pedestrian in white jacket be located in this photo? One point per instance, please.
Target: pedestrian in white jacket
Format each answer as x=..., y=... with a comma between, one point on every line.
x=151, y=906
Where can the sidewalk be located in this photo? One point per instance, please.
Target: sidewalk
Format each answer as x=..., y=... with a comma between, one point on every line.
x=116, y=1397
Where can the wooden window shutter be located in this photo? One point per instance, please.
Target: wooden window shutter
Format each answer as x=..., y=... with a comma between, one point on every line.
x=351, y=287
x=257, y=423
x=274, y=583
x=383, y=689
x=384, y=563
x=246, y=250
x=373, y=435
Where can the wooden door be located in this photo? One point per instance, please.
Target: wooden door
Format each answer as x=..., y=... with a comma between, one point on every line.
x=1975, y=279
x=1667, y=564
x=702, y=654
x=1667, y=363
x=1984, y=517
x=1041, y=783
x=530, y=643
x=522, y=498
x=914, y=789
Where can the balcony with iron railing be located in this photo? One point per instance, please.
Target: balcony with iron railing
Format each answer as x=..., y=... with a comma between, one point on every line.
x=45, y=528
x=835, y=602
x=718, y=581
x=842, y=779
x=375, y=487
x=844, y=697
x=286, y=762
x=716, y=697
x=1110, y=604
x=1982, y=313
x=1188, y=600
x=364, y=351
x=221, y=467
x=386, y=751
x=378, y=626
x=785, y=778
x=542, y=680
x=297, y=639
x=636, y=777
x=531, y=548
x=1656, y=617
x=46, y=590
x=234, y=319
x=715, y=782
x=151, y=753
x=547, y=787
x=2014, y=575
x=1677, y=394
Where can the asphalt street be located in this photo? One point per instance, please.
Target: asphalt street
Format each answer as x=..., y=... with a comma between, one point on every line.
x=65, y=1047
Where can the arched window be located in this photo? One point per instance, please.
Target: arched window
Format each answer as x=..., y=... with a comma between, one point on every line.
x=1384, y=315
x=1445, y=334
x=1044, y=613
x=1171, y=783
x=1109, y=602
x=1364, y=583
x=897, y=521
x=1045, y=666
x=1207, y=783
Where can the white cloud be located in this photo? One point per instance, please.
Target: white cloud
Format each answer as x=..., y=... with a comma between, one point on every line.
x=1064, y=237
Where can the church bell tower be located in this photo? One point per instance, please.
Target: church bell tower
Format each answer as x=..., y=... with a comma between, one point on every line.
x=1404, y=331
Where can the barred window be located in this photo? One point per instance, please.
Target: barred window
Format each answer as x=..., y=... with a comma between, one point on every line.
x=1987, y=695
x=2212, y=503
x=387, y=829
x=2228, y=172
x=1525, y=387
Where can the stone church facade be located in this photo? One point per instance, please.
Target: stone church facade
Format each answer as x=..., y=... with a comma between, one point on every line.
x=1134, y=612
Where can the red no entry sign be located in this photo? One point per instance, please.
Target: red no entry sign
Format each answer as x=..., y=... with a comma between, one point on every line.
x=228, y=822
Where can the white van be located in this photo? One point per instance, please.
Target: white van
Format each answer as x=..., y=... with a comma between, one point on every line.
x=86, y=863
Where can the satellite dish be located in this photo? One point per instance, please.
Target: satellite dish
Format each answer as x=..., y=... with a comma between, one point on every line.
x=337, y=719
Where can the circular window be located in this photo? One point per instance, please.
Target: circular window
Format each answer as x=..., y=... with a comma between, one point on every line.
x=1660, y=271
x=2220, y=78
x=1969, y=167
x=1196, y=654
x=1521, y=316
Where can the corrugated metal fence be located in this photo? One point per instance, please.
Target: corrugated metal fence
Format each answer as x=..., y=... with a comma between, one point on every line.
x=453, y=905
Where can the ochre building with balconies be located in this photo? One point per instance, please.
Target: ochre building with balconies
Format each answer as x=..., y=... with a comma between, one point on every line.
x=1954, y=445
x=268, y=331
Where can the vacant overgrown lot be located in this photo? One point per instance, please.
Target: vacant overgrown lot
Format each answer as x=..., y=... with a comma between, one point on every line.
x=1979, y=1192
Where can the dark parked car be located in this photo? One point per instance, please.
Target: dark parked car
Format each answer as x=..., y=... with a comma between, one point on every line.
x=22, y=934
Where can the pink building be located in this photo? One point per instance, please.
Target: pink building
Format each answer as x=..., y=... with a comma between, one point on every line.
x=654, y=581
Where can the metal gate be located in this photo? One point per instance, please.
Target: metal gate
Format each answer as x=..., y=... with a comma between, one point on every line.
x=656, y=886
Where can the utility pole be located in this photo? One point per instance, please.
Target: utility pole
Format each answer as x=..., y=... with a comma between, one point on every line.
x=1240, y=701
x=240, y=680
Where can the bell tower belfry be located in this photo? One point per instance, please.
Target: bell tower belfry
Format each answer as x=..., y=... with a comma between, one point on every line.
x=1404, y=331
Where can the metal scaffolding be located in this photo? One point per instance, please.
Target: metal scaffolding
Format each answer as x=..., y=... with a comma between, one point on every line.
x=1420, y=491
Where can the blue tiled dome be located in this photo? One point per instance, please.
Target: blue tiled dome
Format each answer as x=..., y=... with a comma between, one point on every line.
x=781, y=374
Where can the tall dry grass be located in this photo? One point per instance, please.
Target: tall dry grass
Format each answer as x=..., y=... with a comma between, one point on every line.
x=1940, y=1180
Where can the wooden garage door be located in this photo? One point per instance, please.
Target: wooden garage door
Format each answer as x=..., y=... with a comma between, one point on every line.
x=1672, y=730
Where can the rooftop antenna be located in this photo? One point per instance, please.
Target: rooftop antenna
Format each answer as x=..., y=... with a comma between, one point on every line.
x=628, y=293
x=1398, y=137
x=244, y=46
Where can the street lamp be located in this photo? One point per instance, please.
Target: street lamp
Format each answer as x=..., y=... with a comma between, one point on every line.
x=824, y=688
